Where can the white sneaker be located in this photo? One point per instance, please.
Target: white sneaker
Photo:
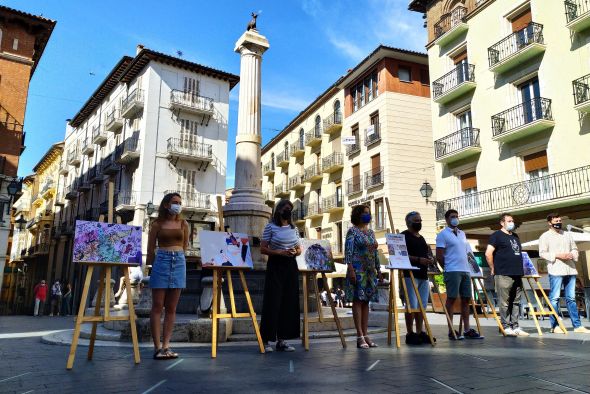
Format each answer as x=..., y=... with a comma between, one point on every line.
x=520, y=332
x=268, y=348
x=582, y=330
x=510, y=332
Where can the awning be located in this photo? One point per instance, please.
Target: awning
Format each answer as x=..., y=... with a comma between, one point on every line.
x=582, y=241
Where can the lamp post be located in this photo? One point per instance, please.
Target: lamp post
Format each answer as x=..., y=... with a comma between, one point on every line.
x=20, y=223
x=13, y=187
x=426, y=190
x=149, y=210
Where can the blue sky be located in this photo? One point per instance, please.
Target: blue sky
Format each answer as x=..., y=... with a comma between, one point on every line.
x=312, y=43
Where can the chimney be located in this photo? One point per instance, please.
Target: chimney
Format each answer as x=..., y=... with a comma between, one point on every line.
x=138, y=49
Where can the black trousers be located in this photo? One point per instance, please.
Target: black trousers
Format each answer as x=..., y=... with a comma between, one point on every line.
x=280, y=305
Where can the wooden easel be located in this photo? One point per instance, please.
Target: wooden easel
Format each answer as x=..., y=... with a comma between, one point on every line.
x=534, y=284
x=104, y=285
x=309, y=274
x=483, y=303
x=444, y=306
x=394, y=311
x=216, y=314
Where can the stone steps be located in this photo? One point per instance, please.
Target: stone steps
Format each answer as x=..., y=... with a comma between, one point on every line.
x=312, y=334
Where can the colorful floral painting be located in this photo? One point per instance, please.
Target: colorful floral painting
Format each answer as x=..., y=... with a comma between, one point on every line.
x=225, y=249
x=96, y=242
x=316, y=255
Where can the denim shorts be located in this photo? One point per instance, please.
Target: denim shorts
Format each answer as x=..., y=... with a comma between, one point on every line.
x=458, y=283
x=423, y=286
x=168, y=270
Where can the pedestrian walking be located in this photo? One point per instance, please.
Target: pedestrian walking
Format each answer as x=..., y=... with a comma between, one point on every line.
x=420, y=256
x=339, y=298
x=55, y=298
x=66, y=303
x=559, y=249
x=324, y=298
x=169, y=234
x=40, y=292
x=504, y=257
x=451, y=253
x=363, y=272
x=280, y=304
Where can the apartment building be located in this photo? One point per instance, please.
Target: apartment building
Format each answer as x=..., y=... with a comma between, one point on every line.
x=156, y=124
x=365, y=138
x=23, y=38
x=510, y=117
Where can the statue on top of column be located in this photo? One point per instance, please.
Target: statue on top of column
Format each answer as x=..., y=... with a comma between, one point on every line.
x=252, y=23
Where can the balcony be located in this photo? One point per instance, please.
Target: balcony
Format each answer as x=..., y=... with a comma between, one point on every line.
x=332, y=163
x=63, y=168
x=374, y=178
x=66, y=228
x=191, y=103
x=333, y=123
x=313, y=173
x=194, y=202
x=113, y=121
x=132, y=104
x=84, y=184
x=74, y=157
x=333, y=204
x=188, y=150
x=299, y=213
x=522, y=120
x=454, y=84
x=354, y=186
x=372, y=134
x=313, y=137
x=283, y=159
x=577, y=15
x=87, y=147
x=71, y=191
x=268, y=169
x=297, y=149
x=99, y=135
x=95, y=174
x=125, y=201
x=517, y=48
x=129, y=150
x=352, y=149
x=269, y=197
x=456, y=146
x=314, y=210
x=555, y=190
x=281, y=191
x=337, y=250
x=582, y=93
x=92, y=214
x=109, y=166
x=450, y=26
x=41, y=248
x=296, y=182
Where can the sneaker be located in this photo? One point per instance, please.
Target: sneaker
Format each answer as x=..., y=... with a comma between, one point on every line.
x=425, y=338
x=459, y=336
x=522, y=333
x=413, y=339
x=557, y=330
x=283, y=346
x=582, y=330
x=510, y=332
x=472, y=334
x=268, y=348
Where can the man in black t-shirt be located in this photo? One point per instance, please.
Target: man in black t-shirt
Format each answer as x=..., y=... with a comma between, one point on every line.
x=420, y=256
x=505, y=260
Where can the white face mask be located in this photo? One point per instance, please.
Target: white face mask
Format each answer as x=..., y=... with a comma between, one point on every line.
x=454, y=222
x=510, y=226
x=175, y=209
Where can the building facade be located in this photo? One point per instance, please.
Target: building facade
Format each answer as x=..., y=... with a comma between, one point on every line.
x=510, y=112
x=366, y=138
x=22, y=40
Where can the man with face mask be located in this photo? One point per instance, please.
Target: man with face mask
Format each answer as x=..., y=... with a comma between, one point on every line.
x=505, y=261
x=561, y=253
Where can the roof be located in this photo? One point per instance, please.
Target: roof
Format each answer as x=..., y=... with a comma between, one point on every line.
x=129, y=67
x=41, y=27
x=55, y=148
x=418, y=5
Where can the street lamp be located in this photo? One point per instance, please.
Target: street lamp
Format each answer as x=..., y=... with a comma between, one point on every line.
x=20, y=223
x=426, y=190
x=149, y=208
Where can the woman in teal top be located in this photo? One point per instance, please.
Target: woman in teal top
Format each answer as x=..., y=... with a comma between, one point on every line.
x=363, y=271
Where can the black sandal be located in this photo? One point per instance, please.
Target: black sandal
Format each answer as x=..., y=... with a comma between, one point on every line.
x=169, y=353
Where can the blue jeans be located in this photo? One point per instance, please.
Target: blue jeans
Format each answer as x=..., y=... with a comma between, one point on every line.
x=569, y=285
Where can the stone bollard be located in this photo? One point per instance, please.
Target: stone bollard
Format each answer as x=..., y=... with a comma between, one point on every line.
x=206, y=299
x=111, y=289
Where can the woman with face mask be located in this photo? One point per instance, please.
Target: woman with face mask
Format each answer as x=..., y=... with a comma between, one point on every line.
x=169, y=234
x=363, y=271
x=280, y=304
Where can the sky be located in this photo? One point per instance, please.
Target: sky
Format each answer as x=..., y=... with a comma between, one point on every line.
x=312, y=43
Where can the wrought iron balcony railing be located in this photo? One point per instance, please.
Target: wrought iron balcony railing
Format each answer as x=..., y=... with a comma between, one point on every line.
x=297, y=148
x=296, y=182
x=312, y=172
x=314, y=209
x=194, y=201
x=281, y=190
x=300, y=212
x=449, y=20
x=372, y=134
x=536, y=109
x=465, y=138
x=332, y=202
x=576, y=8
x=313, y=136
x=354, y=185
x=188, y=148
x=191, y=101
x=565, y=185
x=352, y=149
x=374, y=177
x=581, y=89
x=268, y=168
x=133, y=100
x=463, y=72
x=283, y=158
x=334, y=160
x=515, y=42
x=333, y=121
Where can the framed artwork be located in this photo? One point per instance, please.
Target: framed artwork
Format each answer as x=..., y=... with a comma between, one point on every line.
x=316, y=255
x=97, y=242
x=225, y=249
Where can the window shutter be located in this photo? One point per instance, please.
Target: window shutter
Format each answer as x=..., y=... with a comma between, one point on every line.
x=521, y=21
x=468, y=181
x=535, y=161
x=460, y=57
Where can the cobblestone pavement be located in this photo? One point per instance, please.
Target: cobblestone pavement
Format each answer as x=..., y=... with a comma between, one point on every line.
x=493, y=365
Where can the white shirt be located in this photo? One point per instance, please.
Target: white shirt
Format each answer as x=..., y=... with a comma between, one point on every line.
x=455, y=247
x=552, y=243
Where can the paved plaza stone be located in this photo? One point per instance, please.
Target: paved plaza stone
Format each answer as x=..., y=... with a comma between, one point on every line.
x=550, y=363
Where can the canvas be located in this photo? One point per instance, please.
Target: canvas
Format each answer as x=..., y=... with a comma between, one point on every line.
x=316, y=255
x=475, y=269
x=223, y=249
x=97, y=242
x=398, y=252
x=528, y=266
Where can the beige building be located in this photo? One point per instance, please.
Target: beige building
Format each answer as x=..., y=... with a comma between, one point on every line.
x=509, y=135
x=365, y=138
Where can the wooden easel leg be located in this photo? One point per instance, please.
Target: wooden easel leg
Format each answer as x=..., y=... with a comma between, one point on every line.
x=396, y=319
x=532, y=311
x=79, y=318
x=107, y=293
x=390, y=308
x=215, y=312
x=475, y=315
x=131, y=309
x=422, y=310
x=491, y=306
x=232, y=301
x=305, y=338
x=553, y=311
x=318, y=298
x=334, y=312
x=101, y=288
x=251, y=310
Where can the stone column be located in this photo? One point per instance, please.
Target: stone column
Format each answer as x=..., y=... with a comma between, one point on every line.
x=246, y=211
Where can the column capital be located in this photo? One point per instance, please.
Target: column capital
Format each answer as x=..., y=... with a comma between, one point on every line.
x=251, y=42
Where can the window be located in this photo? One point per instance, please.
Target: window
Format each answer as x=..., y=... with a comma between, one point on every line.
x=272, y=160
x=469, y=191
x=424, y=77
x=186, y=181
x=336, y=109
x=339, y=200
x=317, y=128
x=379, y=214
x=191, y=86
x=15, y=44
x=365, y=91
x=536, y=167
x=301, y=138
x=464, y=125
x=286, y=150
x=530, y=93
x=404, y=74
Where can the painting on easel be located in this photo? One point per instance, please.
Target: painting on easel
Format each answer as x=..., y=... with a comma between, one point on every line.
x=97, y=242
x=225, y=249
x=398, y=252
x=476, y=271
x=528, y=266
x=316, y=255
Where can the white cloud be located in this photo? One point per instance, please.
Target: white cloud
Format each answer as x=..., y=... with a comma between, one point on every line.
x=347, y=47
x=284, y=101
